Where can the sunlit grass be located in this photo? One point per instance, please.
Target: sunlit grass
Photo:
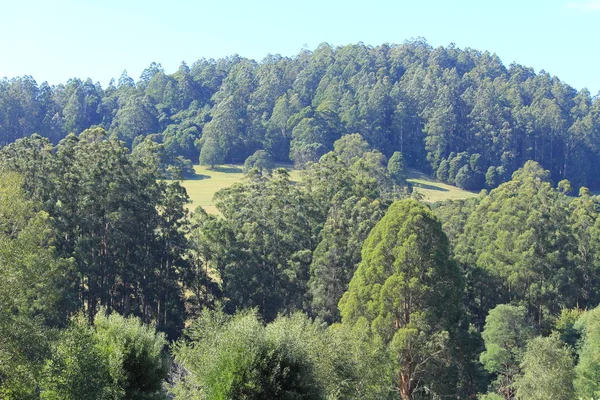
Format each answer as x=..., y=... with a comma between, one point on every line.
x=434, y=190
x=207, y=182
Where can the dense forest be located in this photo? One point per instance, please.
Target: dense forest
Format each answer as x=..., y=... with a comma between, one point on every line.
x=344, y=286
x=458, y=114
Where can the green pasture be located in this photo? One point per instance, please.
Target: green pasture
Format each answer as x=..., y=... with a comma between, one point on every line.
x=207, y=182
x=434, y=190
x=202, y=187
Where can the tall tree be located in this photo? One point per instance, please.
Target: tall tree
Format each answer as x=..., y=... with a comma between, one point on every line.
x=407, y=289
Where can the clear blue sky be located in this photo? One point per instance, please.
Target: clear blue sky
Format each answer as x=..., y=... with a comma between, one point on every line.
x=59, y=39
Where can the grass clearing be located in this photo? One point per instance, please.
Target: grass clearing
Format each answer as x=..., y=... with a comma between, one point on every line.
x=207, y=182
x=434, y=190
x=202, y=187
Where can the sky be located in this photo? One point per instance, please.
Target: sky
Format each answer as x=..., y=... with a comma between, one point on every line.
x=61, y=39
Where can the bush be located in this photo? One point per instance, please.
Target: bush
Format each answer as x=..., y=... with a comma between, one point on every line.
x=134, y=352
x=77, y=369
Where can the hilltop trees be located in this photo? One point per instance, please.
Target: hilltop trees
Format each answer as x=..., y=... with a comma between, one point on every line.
x=456, y=113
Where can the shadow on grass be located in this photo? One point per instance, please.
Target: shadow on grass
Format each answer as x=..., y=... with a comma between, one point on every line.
x=430, y=187
x=196, y=177
x=228, y=170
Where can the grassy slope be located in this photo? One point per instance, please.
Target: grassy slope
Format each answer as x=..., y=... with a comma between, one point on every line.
x=434, y=190
x=202, y=188
x=207, y=182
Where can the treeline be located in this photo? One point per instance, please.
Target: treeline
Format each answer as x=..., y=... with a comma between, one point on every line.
x=113, y=235
x=459, y=114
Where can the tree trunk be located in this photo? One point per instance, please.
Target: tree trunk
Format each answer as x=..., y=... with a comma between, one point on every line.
x=406, y=388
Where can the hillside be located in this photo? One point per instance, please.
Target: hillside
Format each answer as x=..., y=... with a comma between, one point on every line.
x=458, y=114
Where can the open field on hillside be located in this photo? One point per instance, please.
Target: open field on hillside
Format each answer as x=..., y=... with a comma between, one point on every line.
x=434, y=190
x=206, y=183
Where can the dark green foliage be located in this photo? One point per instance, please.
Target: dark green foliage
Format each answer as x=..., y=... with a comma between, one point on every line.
x=124, y=230
x=565, y=326
x=260, y=160
x=211, y=153
x=519, y=237
x=204, y=291
x=396, y=168
x=443, y=173
x=262, y=248
x=430, y=104
x=407, y=289
x=491, y=177
x=338, y=253
x=312, y=137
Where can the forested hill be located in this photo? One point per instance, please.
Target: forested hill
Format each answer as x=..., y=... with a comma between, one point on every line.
x=460, y=114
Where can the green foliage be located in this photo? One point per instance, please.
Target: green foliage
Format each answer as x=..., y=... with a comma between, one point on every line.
x=312, y=138
x=86, y=226
x=239, y=358
x=431, y=104
x=36, y=283
x=396, y=168
x=338, y=253
x=587, y=381
x=443, y=173
x=565, y=326
x=350, y=148
x=260, y=160
x=547, y=371
x=34, y=290
x=210, y=153
x=24, y=344
x=407, y=289
x=134, y=356
x=262, y=248
x=77, y=369
x=519, y=236
x=366, y=355
x=491, y=177
x=505, y=334
x=123, y=228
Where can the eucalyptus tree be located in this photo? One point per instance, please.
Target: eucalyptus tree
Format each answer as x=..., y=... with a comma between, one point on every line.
x=408, y=290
